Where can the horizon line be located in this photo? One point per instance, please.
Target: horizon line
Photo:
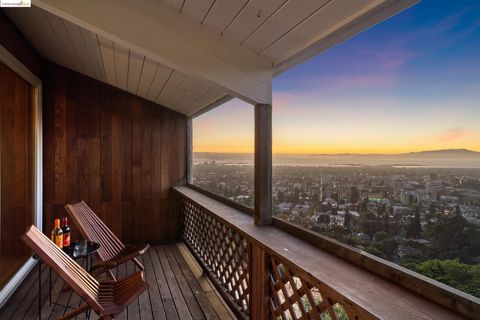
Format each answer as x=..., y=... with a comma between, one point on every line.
x=342, y=153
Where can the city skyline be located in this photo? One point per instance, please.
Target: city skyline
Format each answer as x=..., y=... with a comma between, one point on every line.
x=411, y=83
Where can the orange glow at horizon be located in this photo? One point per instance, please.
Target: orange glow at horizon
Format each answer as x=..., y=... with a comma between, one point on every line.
x=230, y=129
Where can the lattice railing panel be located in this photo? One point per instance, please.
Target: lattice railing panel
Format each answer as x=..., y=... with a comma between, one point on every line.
x=293, y=297
x=222, y=250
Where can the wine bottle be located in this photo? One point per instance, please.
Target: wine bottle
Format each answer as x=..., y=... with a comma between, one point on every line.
x=66, y=235
x=57, y=234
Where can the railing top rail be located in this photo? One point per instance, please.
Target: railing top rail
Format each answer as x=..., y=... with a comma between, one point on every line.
x=377, y=296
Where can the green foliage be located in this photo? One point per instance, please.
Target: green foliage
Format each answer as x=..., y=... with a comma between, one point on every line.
x=415, y=228
x=462, y=276
x=369, y=223
x=380, y=236
x=451, y=237
x=339, y=312
x=385, y=244
x=386, y=219
x=411, y=261
x=376, y=252
x=347, y=221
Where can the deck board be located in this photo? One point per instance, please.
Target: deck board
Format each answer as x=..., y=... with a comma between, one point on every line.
x=178, y=290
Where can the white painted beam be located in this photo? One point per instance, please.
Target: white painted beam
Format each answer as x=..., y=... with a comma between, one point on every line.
x=176, y=41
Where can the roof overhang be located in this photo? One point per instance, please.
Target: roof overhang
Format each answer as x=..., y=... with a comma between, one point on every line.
x=190, y=54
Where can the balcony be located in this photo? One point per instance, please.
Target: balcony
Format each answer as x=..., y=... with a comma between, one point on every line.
x=226, y=267
x=107, y=119
x=178, y=290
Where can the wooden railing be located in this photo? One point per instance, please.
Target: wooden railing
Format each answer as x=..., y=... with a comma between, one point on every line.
x=264, y=272
x=222, y=251
x=225, y=254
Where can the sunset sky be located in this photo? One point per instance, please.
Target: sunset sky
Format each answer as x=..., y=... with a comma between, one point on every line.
x=411, y=83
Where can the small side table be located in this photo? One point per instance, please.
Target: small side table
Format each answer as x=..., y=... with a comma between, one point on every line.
x=92, y=247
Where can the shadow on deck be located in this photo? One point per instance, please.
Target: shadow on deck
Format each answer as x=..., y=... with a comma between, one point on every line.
x=178, y=290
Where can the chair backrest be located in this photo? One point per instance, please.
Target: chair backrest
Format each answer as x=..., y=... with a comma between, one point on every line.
x=93, y=229
x=86, y=286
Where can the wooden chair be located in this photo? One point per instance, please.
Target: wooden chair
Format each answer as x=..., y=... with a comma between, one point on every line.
x=112, y=251
x=106, y=298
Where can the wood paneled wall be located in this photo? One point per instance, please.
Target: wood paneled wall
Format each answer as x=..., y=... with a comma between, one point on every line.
x=117, y=152
x=16, y=184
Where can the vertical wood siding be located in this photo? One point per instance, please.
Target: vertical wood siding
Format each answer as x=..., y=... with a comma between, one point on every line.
x=16, y=160
x=117, y=152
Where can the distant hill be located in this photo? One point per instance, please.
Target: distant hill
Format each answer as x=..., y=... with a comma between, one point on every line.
x=443, y=153
x=451, y=158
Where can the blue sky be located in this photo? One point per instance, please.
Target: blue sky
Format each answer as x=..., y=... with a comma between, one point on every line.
x=410, y=83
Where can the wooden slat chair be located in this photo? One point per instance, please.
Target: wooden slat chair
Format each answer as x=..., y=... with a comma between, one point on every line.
x=112, y=251
x=107, y=298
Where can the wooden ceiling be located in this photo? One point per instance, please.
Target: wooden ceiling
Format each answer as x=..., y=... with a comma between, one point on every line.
x=257, y=39
x=78, y=49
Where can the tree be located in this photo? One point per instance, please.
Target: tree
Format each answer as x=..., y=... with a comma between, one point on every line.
x=364, y=207
x=432, y=211
x=380, y=236
x=386, y=219
x=415, y=228
x=452, y=236
x=369, y=223
x=386, y=244
x=355, y=194
x=347, y=219
x=373, y=250
x=453, y=273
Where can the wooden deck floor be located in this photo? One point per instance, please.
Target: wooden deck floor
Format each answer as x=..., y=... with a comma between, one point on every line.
x=178, y=290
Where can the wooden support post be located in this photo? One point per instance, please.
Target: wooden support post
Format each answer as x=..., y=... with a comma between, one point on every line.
x=260, y=293
x=189, y=150
x=263, y=164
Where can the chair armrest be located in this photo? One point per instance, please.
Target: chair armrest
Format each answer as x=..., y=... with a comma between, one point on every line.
x=132, y=252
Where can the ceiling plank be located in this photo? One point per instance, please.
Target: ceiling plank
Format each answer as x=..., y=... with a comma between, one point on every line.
x=331, y=16
x=158, y=82
x=222, y=13
x=58, y=27
x=121, y=65
x=197, y=9
x=207, y=102
x=148, y=72
x=174, y=4
x=134, y=71
x=194, y=94
x=182, y=90
x=293, y=13
x=197, y=52
x=108, y=59
x=93, y=49
x=255, y=13
x=174, y=81
x=74, y=33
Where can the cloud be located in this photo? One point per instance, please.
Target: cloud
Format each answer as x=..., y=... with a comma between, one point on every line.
x=390, y=59
x=373, y=80
x=282, y=100
x=452, y=134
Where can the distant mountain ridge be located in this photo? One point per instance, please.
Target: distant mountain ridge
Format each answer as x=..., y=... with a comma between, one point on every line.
x=448, y=158
x=445, y=152
x=436, y=153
